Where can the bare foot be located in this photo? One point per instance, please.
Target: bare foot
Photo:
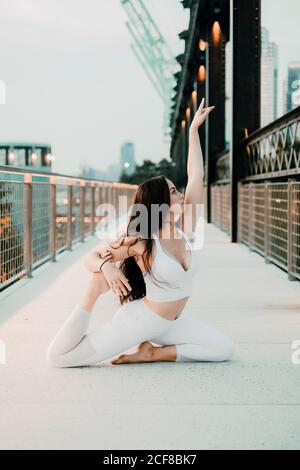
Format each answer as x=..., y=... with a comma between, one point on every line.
x=143, y=354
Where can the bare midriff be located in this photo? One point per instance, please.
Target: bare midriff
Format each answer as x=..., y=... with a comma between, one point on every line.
x=169, y=310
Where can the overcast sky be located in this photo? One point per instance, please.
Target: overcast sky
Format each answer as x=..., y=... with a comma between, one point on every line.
x=282, y=20
x=73, y=81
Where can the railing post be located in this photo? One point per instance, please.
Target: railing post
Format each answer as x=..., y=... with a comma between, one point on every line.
x=219, y=186
x=52, y=234
x=82, y=209
x=267, y=222
x=239, y=211
x=221, y=207
x=251, y=216
x=93, y=207
x=28, y=225
x=291, y=209
x=69, y=214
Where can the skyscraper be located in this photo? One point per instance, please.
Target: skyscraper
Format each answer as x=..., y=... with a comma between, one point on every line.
x=269, y=79
x=128, y=163
x=293, y=86
x=284, y=96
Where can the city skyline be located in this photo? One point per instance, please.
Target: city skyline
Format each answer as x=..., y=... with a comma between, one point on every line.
x=269, y=79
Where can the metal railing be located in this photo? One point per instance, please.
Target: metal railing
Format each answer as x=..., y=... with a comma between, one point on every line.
x=222, y=166
x=221, y=206
x=43, y=214
x=269, y=223
x=274, y=150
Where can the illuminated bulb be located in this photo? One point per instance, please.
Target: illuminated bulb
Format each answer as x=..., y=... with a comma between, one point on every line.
x=201, y=73
x=202, y=45
x=50, y=157
x=11, y=156
x=216, y=32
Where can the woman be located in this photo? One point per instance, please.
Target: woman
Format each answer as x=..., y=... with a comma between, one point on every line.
x=153, y=280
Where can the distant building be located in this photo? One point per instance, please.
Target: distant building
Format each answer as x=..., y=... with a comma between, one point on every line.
x=26, y=155
x=95, y=174
x=113, y=172
x=37, y=157
x=284, y=96
x=128, y=163
x=269, y=79
x=293, y=86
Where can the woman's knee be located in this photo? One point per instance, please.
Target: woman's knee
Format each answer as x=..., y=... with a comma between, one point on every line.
x=225, y=349
x=56, y=360
x=52, y=358
x=82, y=354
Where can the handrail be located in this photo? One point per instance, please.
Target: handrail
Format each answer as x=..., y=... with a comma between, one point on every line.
x=41, y=218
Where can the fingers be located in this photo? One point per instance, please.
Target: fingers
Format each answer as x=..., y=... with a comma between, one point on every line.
x=121, y=287
x=201, y=105
x=201, y=108
x=126, y=283
x=117, y=289
x=104, y=254
x=208, y=110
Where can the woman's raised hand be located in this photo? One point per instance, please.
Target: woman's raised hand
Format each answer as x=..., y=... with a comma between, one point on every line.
x=200, y=115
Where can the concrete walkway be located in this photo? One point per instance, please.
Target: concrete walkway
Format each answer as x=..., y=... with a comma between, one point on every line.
x=251, y=402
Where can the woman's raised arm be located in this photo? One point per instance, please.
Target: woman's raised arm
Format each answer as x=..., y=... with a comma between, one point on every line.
x=195, y=168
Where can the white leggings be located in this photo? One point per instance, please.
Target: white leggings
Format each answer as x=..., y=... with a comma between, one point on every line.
x=134, y=323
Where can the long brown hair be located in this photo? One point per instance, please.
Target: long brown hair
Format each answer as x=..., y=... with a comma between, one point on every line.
x=152, y=191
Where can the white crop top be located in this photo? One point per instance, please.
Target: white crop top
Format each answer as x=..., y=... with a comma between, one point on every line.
x=166, y=268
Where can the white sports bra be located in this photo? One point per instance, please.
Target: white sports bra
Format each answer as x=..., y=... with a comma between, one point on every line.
x=168, y=270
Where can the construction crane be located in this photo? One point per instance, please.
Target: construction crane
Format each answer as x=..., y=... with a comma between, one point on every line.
x=153, y=53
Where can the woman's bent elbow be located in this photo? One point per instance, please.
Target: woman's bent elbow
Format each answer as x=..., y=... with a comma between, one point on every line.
x=87, y=263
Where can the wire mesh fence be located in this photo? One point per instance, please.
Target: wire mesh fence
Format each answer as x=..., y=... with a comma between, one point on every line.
x=269, y=222
x=40, y=222
x=41, y=216
x=11, y=231
x=221, y=206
